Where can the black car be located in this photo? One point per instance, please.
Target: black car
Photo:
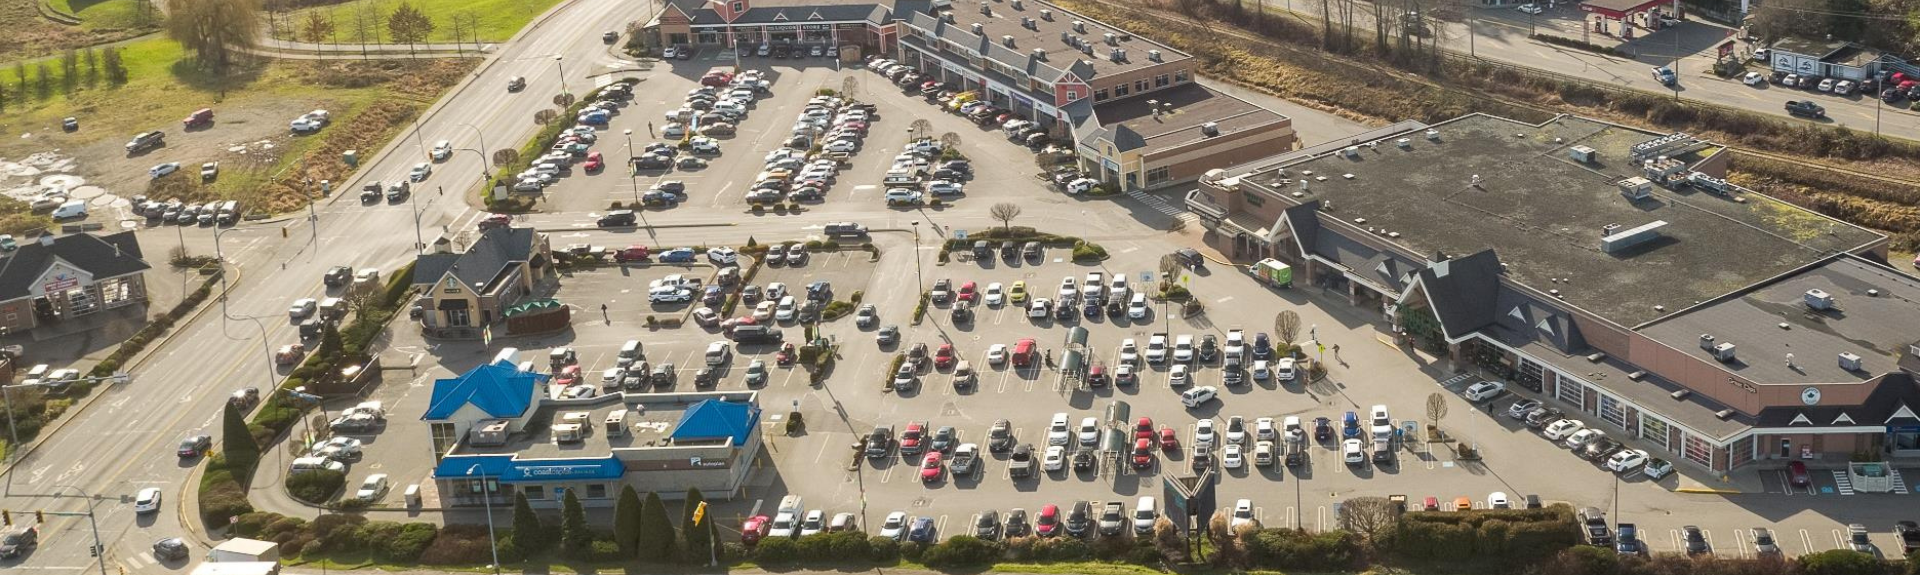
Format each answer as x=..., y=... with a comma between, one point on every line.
x=1539, y=418
x=337, y=276
x=662, y=375
x=1080, y=520
x=944, y=439
x=1208, y=347
x=617, y=218
x=1016, y=524
x=1083, y=459
x=1806, y=109
x=1696, y=541
x=610, y=37
x=1600, y=450
x=195, y=446
x=987, y=526
x=170, y=549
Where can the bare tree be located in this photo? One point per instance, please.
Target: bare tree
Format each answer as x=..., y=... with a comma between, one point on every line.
x=1436, y=409
x=408, y=24
x=919, y=128
x=1286, y=327
x=1227, y=551
x=316, y=27
x=544, y=117
x=950, y=141
x=1004, y=212
x=1169, y=269
x=216, y=30
x=1371, y=517
x=505, y=156
x=848, y=85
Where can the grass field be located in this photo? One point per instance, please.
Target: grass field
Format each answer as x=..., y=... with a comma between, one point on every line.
x=109, y=14
x=493, y=20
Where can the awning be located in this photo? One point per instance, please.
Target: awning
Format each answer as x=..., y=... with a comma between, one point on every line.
x=534, y=305
x=451, y=304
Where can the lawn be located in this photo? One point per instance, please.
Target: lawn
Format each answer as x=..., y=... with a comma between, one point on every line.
x=487, y=20
x=109, y=14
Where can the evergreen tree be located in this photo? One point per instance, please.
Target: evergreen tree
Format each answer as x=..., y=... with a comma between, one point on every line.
x=527, y=535
x=656, y=530
x=626, y=522
x=43, y=83
x=116, y=69
x=699, y=538
x=236, y=443
x=92, y=59
x=576, y=538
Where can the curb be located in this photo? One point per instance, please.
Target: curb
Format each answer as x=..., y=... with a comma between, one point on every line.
x=69, y=416
x=638, y=228
x=1707, y=490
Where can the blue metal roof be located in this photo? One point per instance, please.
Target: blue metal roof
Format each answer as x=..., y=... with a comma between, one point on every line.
x=546, y=470
x=715, y=419
x=463, y=466
x=499, y=390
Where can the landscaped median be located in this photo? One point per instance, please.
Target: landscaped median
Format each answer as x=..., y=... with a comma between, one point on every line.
x=1083, y=250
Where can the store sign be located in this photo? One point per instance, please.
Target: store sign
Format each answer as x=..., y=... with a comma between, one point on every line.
x=561, y=471
x=699, y=462
x=59, y=282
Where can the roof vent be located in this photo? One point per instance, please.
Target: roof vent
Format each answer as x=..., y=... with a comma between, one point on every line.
x=1724, y=352
x=1080, y=27
x=1597, y=357
x=1681, y=395
x=1582, y=154
x=1622, y=240
x=1706, y=341
x=1117, y=55
x=1350, y=151
x=1819, y=299
x=1723, y=414
x=1046, y=15
x=1086, y=48
x=1433, y=135
x=986, y=9
x=1849, y=361
x=1040, y=54
x=1017, y=5
x=1111, y=40
x=1066, y=37
x=1404, y=143
x=1007, y=41
x=1873, y=293
x=947, y=17
x=1637, y=375
x=1153, y=55
x=1210, y=129
x=979, y=28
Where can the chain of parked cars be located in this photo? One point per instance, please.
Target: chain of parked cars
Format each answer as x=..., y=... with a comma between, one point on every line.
x=837, y=127
x=572, y=147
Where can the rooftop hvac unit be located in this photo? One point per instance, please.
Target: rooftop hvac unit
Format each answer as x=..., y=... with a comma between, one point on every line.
x=1210, y=129
x=1006, y=41
x=1636, y=188
x=1079, y=26
x=1621, y=240
x=1046, y=15
x=1066, y=36
x=979, y=28
x=1111, y=41
x=1849, y=361
x=1724, y=414
x=1582, y=154
x=1026, y=22
x=1681, y=395
x=1819, y=299
x=1153, y=55
x=1040, y=54
x=1017, y=5
x=1706, y=341
x=1118, y=55
x=1350, y=151
x=986, y=10
x=1404, y=143
x=1708, y=183
x=1724, y=352
x=1086, y=48
x=1433, y=135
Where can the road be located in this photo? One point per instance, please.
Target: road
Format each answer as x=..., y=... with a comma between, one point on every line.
x=125, y=440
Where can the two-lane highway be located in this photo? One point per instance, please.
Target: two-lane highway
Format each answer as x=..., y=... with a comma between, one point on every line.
x=125, y=441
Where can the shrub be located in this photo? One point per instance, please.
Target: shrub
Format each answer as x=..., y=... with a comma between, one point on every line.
x=883, y=549
x=461, y=545
x=1084, y=251
x=835, y=310
x=912, y=550
x=962, y=550
x=316, y=486
x=1061, y=549
x=776, y=550
x=1294, y=549
x=407, y=545
x=1841, y=562
x=255, y=524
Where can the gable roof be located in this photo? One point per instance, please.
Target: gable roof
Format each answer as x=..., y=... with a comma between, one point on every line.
x=104, y=257
x=1463, y=291
x=701, y=12
x=1889, y=404
x=483, y=261
x=499, y=390
x=714, y=419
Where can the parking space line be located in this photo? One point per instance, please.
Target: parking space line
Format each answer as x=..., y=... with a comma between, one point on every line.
x=1673, y=540
x=1740, y=542
x=1320, y=519
x=1806, y=542
x=1839, y=539
x=1005, y=374
x=1708, y=533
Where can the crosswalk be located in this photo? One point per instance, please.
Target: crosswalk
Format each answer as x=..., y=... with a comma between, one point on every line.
x=1842, y=483
x=1159, y=205
x=137, y=562
x=1899, y=483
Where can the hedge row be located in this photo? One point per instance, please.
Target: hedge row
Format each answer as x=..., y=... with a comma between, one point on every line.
x=1509, y=538
x=386, y=541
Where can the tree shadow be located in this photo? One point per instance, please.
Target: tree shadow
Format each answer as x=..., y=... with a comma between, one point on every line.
x=239, y=75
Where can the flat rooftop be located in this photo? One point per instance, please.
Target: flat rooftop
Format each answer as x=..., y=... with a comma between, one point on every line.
x=1185, y=109
x=1769, y=322
x=1543, y=213
x=647, y=424
x=1005, y=20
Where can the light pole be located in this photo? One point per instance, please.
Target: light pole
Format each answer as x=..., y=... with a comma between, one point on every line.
x=916, y=258
x=632, y=177
x=487, y=498
x=99, y=551
x=221, y=258
x=485, y=164
x=563, y=72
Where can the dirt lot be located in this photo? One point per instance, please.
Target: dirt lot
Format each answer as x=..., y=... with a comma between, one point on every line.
x=29, y=35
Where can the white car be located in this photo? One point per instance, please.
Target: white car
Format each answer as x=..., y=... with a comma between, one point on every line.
x=1626, y=460
x=1236, y=343
x=1068, y=288
x=161, y=171
x=1561, y=429
x=442, y=150
x=895, y=526
x=1157, y=348
x=1657, y=468
x=1038, y=307
x=815, y=522
x=1183, y=348
x=148, y=501
x=997, y=354
x=705, y=145
x=310, y=121
x=763, y=311
x=1056, y=458
x=900, y=196
x=1236, y=430
x=1485, y=390
x=1137, y=306
x=1531, y=8
x=1231, y=458
x=1203, y=435
x=1242, y=513
x=1129, y=352
x=1194, y=397
x=1353, y=451
x=1753, y=79
x=1263, y=429
x=373, y=488
x=848, y=146
x=785, y=310
x=1283, y=369
x=1177, y=376
x=1583, y=437
x=944, y=188
x=1089, y=431
x=1262, y=370
x=996, y=295
x=1498, y=500
x=1057, y=432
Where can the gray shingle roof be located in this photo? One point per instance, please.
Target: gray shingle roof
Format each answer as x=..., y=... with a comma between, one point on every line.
x=102, y=256
x=494, y=251
x=1463, y=291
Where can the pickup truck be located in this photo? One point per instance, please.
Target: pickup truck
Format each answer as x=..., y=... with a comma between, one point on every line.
x=1806, y=109
x=1593, y=524
x=1020, y=464
x=1909, y=533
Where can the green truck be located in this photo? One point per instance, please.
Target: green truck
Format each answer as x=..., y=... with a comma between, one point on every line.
x=1273, y=273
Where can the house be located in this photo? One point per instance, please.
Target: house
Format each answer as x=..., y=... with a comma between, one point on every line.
x=464, y=292
x=59, y=278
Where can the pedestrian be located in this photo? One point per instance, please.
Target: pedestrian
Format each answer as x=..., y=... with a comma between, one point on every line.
x=1336, y=350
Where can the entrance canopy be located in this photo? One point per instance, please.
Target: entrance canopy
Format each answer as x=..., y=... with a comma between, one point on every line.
x=1619, y=8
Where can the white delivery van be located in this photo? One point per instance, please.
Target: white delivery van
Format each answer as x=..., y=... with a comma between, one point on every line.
x=76, y=209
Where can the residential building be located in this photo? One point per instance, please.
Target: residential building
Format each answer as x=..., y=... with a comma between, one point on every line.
x=463, y=292
x=1610, y=269
x=60, y=278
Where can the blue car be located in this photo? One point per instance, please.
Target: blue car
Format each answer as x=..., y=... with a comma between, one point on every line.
x=1350, y=426
x=922, y=530
x=677, y=256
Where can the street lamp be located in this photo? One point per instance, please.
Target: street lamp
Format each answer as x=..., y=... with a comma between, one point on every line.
x=563, y=72
x=100, y=551
x=631, y=175
x=485, y=164
x=221, y=258
x=487, y=498
x=916, y=258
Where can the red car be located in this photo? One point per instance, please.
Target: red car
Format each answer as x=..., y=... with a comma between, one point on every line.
x=943, y=358
x=931, y=469
x=1143, y=429
x=1142, y=453
x=1048, y=524
x=914, y=438
x=569, y=375
x=1797, y=474
x=593, y=163
x=968, y=293
x=1167, y=440
x=1431, y=503
x=495, y=221
x=755, y=528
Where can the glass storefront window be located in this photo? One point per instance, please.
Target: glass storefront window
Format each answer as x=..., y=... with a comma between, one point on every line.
x=1654, y=430
x=1613, y=412
x=1741, y=451
x=1698, y=450
x=1571, y=392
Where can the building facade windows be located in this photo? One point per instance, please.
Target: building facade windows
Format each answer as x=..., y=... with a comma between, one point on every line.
x=1613, y=412
x=1120, y=90
x=1100, y=95
x=1157, y=175
x=1140, y=85
x=1531, y=374
x=1570, y=391
x=1182, y=77
x=1654, y=431
x=1160, y=81
x=534, y=492
x=1255, y=200
x=1698, y=450
x=597, y=491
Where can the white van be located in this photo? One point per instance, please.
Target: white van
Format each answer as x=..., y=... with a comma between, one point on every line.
x=717, y=352
x=509, y=355
x=76, y=209
x=307, y=464
x=628, y=352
